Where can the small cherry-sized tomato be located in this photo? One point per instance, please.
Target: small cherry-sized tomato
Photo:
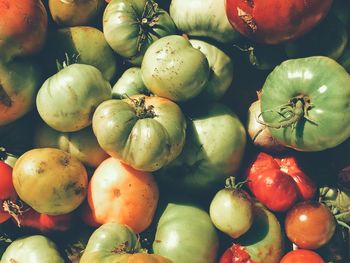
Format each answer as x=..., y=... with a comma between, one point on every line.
x=310, y=224
x=231, y=210
x=278, y=182
x=302, y=256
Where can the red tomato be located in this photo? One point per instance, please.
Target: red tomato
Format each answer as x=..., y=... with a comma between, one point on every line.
x=23, y=27
x=7, y=191
x=278, y=183
x=302, y=256
x=275, y=21
x=236, y=254
x=310, y=224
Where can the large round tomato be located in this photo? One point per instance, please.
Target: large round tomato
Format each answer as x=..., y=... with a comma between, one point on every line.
x=203, y=18
x=113, y=242
x=185, y=233
x=50, y=180
x=19, y=82
x=302, y=256
x=119, y=193
x=144, y=132
x=67, y=100
x=275, y=21
x=7, y=191
x=23, y=27
x=75, y=12
x=215, y=143
x=305, y=103
x=310, y=225
x=131, y=26
x=32, y=249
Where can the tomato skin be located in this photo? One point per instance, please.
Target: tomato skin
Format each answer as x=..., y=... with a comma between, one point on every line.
x=302, y=256
x=236, y=254
x=119, y=193
x=274, y=21
x=23, y=27
x=282, y=178
x=7, y=190
x=309, y=224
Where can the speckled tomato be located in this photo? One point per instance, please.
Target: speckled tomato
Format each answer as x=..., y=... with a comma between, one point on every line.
x=275, y=21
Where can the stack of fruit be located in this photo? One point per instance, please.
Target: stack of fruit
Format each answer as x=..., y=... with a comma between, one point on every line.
x=179, y=131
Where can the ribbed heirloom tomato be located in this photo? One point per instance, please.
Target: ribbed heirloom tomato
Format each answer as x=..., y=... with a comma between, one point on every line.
x=275, y=21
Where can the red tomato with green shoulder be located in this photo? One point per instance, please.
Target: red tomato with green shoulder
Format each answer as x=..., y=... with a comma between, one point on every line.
x=275, y=21
x=278, y=182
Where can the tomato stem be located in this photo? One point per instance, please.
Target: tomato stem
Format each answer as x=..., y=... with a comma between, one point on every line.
x=14, y=210
x=143, y=112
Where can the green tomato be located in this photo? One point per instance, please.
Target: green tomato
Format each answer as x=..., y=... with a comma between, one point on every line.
x=112, y=242
x=185, y=233
x=50, y=180
x=72, y=42
x=264, y=241
x=305, y=103
x=203, y=18
x=81, y=144
x=131, y=26
x=221, y=71
x=129, y=84
x=32, y=249
x=67, y=100
x=144, y=132
x=172, y=68
x=214, y=148
x=231, y=210
x=331, y=33
x=19, y=82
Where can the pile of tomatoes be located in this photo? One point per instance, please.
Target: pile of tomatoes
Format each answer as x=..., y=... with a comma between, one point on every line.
x=202, y=131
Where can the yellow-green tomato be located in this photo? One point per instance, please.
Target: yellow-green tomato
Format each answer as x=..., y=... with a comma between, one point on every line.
x=32, y=249
x=174, y=69
x=50, y=180
x=231, y=211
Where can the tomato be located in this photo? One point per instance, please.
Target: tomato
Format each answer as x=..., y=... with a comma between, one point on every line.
x=336, y=198
x=81, y=144
x=185, y=233
x=7, y=190
x=19, y=82
x=119, y=193
x=273, y=21
x=113, y=242
x=203, y=18
x=75, y=12
x=67, y=100
x=50, y=180
x=308, y=45
x=231, y=210
x=129, y=84
x=263, y=243
x=71, y=42
x=143, y=132
x=309, y=224
x=29, y=218
x=214, y=148
x=174, y=69
x=32, y=249
x=278, y=182
x=302, y=256
x=23, y=27
x=304, y=103
x=221, y=71
x=130, y=27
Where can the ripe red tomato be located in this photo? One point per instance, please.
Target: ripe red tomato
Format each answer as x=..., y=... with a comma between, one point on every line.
x=236, y=254
x=278, y=183
x=310, y=224
x=275, y=21
x=7, y=191
x=302, y=256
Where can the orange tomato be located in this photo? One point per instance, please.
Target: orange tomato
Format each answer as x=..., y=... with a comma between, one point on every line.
x=118, y=193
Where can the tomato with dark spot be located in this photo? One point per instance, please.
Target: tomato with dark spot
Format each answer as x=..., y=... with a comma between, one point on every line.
x=275, y=21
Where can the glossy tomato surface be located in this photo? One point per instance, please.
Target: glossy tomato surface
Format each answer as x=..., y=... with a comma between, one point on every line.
x=302, y=256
